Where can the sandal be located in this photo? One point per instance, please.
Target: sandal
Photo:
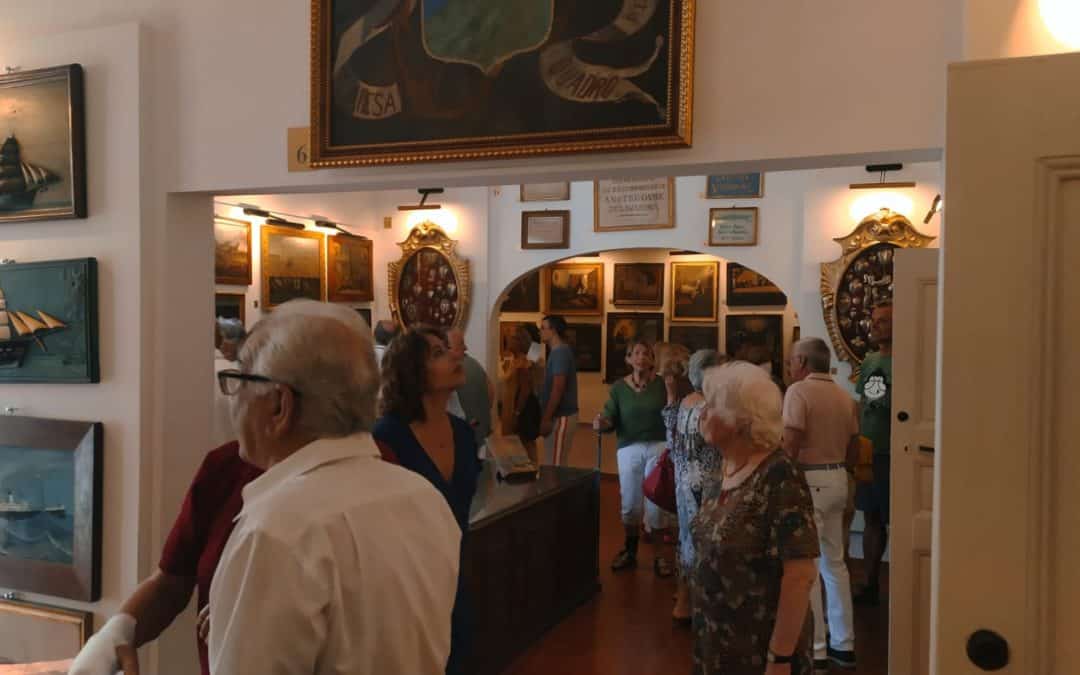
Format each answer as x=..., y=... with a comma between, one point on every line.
x=624, y=560
x=663, y=568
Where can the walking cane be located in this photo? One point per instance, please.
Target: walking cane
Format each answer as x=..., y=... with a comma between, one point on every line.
x=599, y=450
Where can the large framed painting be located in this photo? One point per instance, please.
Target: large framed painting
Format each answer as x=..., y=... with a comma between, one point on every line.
x=49, y=321
x=745, y=287
x=576, y=288
x=695, y=338
x=638, y=284
x=349, y=270
x=41, y=637
x=50, y=507
x=232, y=251
x=586, y=341
x=862, y=278
x=430, y=284
x=404, y=81
x=694, y=290
x=624, y=328
x=633, y=204
x=524, y=295
x=757, y=338
x=230, y=306
x=293, y=265
x=43, y=158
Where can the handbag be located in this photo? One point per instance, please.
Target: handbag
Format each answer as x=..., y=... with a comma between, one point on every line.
x=659, y=484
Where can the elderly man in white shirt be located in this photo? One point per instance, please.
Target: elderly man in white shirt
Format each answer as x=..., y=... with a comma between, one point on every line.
x=340, y=562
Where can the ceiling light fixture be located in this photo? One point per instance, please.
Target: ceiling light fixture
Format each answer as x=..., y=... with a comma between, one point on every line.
x=936, y=207
x=882, y=184
x=423, y=205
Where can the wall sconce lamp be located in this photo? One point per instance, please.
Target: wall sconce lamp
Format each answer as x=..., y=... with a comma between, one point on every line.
x=281, y=222
x=881, y=184
x=423, y=205
x=255, y=211
x=936, y=207
x=338, y=229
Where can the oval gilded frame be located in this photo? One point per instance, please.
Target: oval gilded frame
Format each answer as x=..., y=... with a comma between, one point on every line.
x=882, y=227
x=428, y=235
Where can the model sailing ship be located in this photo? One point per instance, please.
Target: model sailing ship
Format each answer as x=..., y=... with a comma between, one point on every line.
x=20, y=181
x=18, y=329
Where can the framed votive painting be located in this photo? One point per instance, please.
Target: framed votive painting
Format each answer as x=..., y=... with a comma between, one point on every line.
x=638, y=284
x=745, y=287
x=634, y=204
x=43, y=156
x=733, y=227
x=232, y=251
x=40, y=637
x=293, y=265
x=545, y=229
x=430, y=284
x=694, y=291
x=350, y=275
x=49, y=321
x=50, y=507
x=524, y=295
x=576, y=288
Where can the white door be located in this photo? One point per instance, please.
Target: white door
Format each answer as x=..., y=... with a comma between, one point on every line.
x=1007, y=517
x=915, y=306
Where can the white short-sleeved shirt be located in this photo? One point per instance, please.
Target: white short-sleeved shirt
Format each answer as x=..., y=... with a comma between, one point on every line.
x=826, y=415
x=340, y=563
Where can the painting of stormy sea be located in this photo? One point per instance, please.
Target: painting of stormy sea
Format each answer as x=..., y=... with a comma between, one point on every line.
x=37, y=494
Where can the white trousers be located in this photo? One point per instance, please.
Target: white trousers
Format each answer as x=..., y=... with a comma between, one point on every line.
x=635, y=461
x=829, y=490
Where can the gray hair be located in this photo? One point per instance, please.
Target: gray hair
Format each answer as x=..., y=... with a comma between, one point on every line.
x=700, y=361
x=816, y=351
x=325, y=353
x=231, y=329
x=745, y=397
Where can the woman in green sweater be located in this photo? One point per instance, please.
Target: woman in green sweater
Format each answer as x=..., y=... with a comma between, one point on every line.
x=633, y=412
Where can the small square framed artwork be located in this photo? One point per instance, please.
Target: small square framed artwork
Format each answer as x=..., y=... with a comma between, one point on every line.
x=545, y=229
x=733, y=227
x=638, y=284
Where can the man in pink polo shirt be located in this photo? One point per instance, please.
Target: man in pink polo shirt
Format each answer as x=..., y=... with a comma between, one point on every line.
x=821, y=428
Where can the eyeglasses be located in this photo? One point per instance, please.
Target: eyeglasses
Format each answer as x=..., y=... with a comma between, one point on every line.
x=231, y=380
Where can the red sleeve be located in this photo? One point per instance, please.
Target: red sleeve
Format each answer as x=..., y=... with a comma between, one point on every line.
x=186, y=540
x=387, y=452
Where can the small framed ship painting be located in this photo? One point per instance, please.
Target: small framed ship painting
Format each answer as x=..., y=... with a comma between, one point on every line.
x=293, y=265
x=49, y=322
x=43, y=156
x=50, y=507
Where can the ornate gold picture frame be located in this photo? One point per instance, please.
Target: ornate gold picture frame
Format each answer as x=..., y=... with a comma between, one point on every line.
x=430, y=284
x=293, y=265
x=861, y=278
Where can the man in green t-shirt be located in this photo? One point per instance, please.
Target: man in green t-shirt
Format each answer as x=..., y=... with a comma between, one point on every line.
x=875, y=422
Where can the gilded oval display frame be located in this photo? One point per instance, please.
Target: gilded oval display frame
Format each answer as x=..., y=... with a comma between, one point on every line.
x=882, y=229
x=452, y=285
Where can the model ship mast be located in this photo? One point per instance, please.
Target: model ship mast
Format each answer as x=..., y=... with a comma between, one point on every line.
x=15, y=325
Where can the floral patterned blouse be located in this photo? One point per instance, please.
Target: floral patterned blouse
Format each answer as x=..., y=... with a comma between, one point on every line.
x=742, y=537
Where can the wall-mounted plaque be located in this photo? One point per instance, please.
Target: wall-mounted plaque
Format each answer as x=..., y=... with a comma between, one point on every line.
x=545, y=192
x=634, y=204
x=545, y=229
x=733, y=227
x=735, y=186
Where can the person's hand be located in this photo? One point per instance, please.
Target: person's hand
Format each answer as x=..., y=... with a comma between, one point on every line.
x=202, y=624
x=546, y=425
x=601, y=423
x=128, y=659
x=99, y=655
x=778, y=669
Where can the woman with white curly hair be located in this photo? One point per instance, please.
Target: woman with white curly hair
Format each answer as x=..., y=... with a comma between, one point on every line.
x=754, y=536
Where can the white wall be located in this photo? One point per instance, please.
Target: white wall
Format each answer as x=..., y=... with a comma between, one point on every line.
x=113, y=235
x=776, y=82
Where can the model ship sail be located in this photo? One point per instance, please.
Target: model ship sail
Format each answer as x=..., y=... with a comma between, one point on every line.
x=16, y=328
x=20, y=181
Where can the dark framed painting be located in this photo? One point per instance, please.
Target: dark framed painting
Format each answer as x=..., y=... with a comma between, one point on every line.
x=695, y=338
x=507, y=330
x=43, y=159
x=638, y=284
x=694, y=290
x=40, y=635
x=735, y=186
x=231, y=306
x=576, y=288
x=349, y=269
x=365, y=314
x=545, y=229
x=50, y=507
x=745, y=287
x=49, y=321
x=524, y=295
x=440, y=80
x=586, y=341
x=232, y=251
x=757, y=338
x=733, y=227
x=293, y=265
x=622, y=329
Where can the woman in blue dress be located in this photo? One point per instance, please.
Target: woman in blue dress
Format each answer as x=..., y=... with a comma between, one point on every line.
x=415, y=430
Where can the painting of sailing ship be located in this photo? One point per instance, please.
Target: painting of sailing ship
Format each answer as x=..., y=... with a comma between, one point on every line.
x=42, y=155
x=37, y=491
x=48, y=322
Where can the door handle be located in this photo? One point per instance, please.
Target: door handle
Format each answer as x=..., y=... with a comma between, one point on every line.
x=926, y=448
x=988, y=650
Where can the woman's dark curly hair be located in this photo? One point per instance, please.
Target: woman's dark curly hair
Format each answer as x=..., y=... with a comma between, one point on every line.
x=404, y=374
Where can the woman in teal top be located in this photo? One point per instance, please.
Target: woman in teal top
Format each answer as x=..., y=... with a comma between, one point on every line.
x=634, y=412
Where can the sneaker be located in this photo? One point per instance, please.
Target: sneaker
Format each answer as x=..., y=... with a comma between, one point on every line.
x=821, y=666
x=844, y=659
x=624, y=560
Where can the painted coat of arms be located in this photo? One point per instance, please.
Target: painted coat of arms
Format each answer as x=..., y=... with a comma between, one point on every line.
x=426, y=80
